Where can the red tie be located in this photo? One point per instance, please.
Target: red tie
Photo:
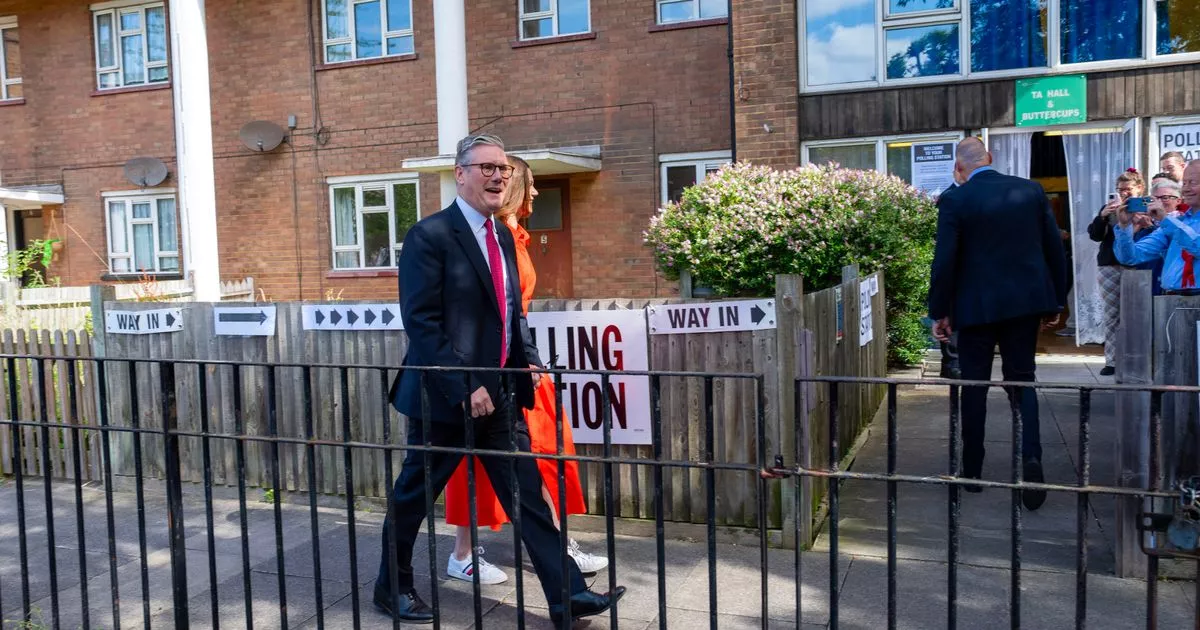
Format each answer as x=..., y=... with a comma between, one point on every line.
x=1188, y=279
x=493, y=249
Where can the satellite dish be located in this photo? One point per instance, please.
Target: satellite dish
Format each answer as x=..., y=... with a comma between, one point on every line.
x=261, y=135
x=145, y=171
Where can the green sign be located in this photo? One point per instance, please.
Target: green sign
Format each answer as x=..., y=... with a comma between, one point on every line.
x=1051, y=101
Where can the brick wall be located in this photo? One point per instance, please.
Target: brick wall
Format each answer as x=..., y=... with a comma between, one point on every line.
x=767, y=81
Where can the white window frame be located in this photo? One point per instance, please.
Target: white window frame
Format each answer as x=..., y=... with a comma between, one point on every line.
x=881, y=143
x=552, y=13
x=702, y=161
x=115, y=10
x=349, y=38
x=1154, y=149
x=962, y=15
x=151, y=197
x=695, y=12
x=359, y=184
x=6, y=81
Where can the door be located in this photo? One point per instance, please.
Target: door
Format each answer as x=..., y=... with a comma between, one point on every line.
x=550, y=239
x=30, y=227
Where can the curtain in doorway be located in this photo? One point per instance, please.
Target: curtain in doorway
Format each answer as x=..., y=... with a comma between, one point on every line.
x=1094, y=161
x=1012, y=153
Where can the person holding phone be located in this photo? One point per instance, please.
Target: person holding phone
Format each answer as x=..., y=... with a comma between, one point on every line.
x=1176, y=241
x=1101, y=230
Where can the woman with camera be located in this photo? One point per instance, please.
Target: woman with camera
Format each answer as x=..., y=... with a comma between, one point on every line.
x=1129, y=184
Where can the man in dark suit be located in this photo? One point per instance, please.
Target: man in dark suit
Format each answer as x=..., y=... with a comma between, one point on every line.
x=461, y=304
x=998, y=274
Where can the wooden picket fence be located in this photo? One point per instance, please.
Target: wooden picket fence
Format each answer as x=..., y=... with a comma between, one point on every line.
x=805, y=342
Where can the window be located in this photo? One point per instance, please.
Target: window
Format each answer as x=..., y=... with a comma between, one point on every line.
x=10, y=60
x=551, y=18
x=367, y=29
x=852, y=44
x=370, y=219
x=681, y=170
x=143, y=234
x=671, y=11
x=131, y=44
x=893, y=155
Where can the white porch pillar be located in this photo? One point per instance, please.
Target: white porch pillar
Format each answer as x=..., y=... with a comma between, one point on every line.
x=450, y=49
x=194, y=148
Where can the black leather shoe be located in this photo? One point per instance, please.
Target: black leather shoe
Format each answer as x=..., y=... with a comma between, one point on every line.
x=1033, y=499
x=972, y=488
x=1108, y=370
x=410, y=608
x=586, y=604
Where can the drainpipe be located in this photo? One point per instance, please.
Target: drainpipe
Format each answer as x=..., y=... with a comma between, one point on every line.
x=732, y=93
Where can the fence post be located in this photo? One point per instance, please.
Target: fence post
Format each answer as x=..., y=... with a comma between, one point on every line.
x=685, y=284
x=1134, y=342
x=789, y=326
x=170, y=420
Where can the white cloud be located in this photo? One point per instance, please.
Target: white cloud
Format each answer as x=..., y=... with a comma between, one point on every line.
x=847, y=56
x=817, y=9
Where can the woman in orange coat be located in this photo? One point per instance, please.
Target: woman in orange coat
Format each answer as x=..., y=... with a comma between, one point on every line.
x=541, y=421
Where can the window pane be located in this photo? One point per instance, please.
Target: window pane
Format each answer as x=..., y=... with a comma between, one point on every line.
x=132, y=62
x=901, y=7
x=899, y=160
x=121, y=265
x=168, y=263
x=548, y=210
x=1008, y=34
x=840, y=41
x=923, y=51
x=675, y=11
x=405, y=196
x=345, y=228
x=572, y=16
x=158, y=74
x=714, y=8
x=678, y=178
x=109, y=80
x=377, y=244
x=400, y=45
x=141, y=210
x=535, y=6
x=336, y=53
x=368, y=39
x=143, y=248
x=857, y=156
x=375, y=198
x=118, y=240
x=337, y=21
x=12, y=54
x=399, y=16
x=156, y=32
x=104, y=41
x=537, y=28
x=345, y=260
x=1095, y=30
x=167, y=229
x=131, y=20
x=1178, y=26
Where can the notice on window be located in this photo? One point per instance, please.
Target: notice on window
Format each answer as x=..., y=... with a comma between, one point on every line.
x=932, y=166
x=1182, y=138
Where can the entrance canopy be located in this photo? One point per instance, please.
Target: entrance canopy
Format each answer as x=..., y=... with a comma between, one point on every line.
x=31, y=197
x=557, y=161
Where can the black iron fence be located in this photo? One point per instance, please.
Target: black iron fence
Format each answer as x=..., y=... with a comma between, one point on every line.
x=55, y=429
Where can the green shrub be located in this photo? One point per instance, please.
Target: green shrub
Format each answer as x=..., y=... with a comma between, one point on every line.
x=743, y=225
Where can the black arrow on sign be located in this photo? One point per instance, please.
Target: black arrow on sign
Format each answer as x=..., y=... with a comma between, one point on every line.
x=320, y=317
x=170, y=319
x=387, y=317
x=369, y=316
x=335, y=317
x=259, y=317
x=351, y=316
x=757, y=314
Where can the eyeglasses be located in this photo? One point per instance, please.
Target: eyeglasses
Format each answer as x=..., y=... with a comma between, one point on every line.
x=1165, y=197
x=488, y=169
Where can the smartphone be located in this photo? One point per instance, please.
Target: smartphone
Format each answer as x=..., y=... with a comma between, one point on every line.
x=1112, y=196
x=1137, y=205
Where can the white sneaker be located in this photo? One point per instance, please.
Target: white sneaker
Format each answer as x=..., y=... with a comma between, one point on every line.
x=463, y=570
x=586, y=562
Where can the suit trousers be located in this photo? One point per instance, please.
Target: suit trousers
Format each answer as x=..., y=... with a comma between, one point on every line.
x=408, y=504
x=1017, y=339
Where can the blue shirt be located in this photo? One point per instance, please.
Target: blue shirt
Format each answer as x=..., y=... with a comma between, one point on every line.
x=978, y=171
x=1168, y=242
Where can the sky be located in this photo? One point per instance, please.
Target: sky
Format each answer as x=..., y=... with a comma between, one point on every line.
x=841, y=40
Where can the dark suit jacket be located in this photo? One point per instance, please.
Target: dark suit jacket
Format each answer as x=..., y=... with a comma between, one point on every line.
x=998, y=255
x=451, y=316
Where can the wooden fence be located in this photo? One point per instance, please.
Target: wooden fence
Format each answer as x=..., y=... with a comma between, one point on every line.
x=805, y=342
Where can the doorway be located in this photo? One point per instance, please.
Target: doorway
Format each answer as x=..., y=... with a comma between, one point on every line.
x=28, y=227
x=550, y=240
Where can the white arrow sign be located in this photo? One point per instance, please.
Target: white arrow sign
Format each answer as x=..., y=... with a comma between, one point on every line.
x=244, y=321
x=143, y=322
x=712, y=317
x=352, y=317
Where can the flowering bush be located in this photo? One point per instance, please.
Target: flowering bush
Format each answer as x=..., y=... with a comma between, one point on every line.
x=743, y=225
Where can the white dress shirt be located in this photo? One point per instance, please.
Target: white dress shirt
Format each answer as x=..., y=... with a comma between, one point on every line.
x=476, y=221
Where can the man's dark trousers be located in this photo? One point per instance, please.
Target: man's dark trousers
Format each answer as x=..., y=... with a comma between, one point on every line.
x=492, y=432
x=1017, y=339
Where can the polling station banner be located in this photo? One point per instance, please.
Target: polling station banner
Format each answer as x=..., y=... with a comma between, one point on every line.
x=611, y=341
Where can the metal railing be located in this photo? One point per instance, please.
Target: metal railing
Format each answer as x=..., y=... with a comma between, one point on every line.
x=171, y=434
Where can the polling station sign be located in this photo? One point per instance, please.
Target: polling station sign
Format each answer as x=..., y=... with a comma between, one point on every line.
x=730, y=316
x=611, y=341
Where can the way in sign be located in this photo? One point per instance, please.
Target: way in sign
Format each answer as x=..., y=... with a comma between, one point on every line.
x=712, y=317
x=137, y=322
x=697, y=316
